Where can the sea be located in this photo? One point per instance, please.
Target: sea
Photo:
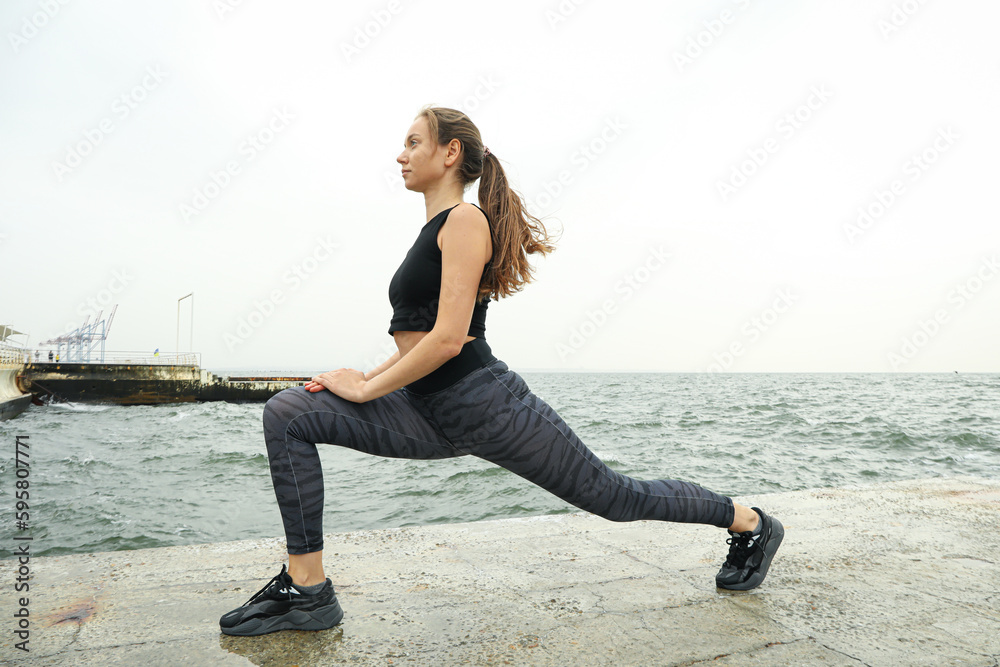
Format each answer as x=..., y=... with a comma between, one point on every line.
x=108, y=477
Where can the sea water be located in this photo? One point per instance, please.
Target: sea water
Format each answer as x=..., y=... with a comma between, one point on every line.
x=106, y=477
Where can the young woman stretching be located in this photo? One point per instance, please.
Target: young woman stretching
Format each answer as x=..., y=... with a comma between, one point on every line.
x=444, y=394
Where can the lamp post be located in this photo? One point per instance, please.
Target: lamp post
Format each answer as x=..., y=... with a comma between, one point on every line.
x=178, y=342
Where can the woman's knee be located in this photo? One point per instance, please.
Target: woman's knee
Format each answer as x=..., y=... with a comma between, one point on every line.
x=281, y=409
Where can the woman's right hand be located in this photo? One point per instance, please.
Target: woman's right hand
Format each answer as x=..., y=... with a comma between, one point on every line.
x=343, y=382
x=314, y=386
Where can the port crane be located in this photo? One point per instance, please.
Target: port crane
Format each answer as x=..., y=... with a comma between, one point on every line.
x=82, y=342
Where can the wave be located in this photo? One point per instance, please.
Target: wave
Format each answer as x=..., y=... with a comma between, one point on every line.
x=79, y=407
x=234, y=458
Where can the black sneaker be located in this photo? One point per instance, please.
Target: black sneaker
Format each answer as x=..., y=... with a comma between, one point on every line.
x=750, y=555
x=281, y=606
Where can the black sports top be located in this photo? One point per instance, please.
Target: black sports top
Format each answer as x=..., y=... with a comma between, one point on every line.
x=415, y=288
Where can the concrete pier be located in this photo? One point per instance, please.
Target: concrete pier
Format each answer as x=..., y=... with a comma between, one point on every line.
x=12, y=401
x=894, y=574
x=146, y=384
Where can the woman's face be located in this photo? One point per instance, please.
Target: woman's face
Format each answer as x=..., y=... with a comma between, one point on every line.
x=422, y=159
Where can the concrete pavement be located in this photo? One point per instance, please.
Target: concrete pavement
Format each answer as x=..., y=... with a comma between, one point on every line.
x=891, y=574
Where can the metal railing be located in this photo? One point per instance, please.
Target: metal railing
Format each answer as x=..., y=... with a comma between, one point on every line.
x=132, y=358
x=12, y=356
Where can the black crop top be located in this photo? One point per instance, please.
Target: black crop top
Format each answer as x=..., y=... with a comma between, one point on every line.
x=415, y=288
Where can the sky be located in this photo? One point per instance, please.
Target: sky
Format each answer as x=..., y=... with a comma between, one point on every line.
x=735, y=186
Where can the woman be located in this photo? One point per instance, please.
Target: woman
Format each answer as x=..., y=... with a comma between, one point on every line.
x=444, y=394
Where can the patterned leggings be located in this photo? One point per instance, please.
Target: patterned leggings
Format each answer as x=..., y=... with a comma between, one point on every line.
x=489, y=413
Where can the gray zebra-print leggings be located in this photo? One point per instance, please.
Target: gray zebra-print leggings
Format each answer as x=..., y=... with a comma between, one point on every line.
x=489, y=413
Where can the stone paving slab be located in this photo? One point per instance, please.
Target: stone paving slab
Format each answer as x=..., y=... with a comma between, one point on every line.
x=892, y=574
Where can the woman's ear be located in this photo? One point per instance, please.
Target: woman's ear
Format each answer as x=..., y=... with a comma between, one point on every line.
x=453, y=153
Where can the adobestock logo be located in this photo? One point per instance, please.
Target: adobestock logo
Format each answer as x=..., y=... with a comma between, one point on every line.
x=899, y=16
x=928, y=328
x=218, y=180
x=365, y=34
x=120, y=280
x=121, y=108
x=624, y=289
x=787, y=127
x=562, y=12
x=913, y=169
x=699, y=43
x=224, y=7
x=752, y=330
x=94, y=305
x=581, y=159
x=264, y=308
x=30, y=26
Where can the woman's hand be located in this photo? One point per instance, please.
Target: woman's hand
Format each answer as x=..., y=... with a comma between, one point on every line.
x=344, y=382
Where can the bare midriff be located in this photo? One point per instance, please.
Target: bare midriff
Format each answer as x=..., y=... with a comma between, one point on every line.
x=407, y=340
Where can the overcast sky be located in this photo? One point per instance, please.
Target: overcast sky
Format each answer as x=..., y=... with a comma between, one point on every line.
x=739, y=185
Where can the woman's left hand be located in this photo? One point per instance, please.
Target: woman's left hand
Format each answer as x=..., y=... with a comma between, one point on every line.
x=344, y=382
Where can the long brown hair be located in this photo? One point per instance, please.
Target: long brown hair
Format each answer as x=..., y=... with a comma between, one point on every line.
x=514, y=232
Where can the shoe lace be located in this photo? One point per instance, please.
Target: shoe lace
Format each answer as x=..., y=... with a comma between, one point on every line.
x=275, y=579
x=740, y=547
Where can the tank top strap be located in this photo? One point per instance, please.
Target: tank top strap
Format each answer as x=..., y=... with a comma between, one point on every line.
x=490, y=223
x=484, y=212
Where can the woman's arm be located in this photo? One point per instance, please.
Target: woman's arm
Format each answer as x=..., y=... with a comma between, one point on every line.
x=383, y=366
x=465, y=249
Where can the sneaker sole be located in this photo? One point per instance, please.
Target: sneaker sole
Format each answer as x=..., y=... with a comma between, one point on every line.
x=323, y=618
x=771, y=548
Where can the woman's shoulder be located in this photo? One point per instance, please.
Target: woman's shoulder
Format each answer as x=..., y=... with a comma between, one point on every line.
x=466, y=218
x=467, y=211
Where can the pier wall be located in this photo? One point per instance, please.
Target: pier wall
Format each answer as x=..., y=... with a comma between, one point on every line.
x=12, y=400
x=142, y=384
x=124, y=384
x=8, y=383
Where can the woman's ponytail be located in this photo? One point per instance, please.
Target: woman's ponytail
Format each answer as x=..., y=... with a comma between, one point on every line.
x=514, y=232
